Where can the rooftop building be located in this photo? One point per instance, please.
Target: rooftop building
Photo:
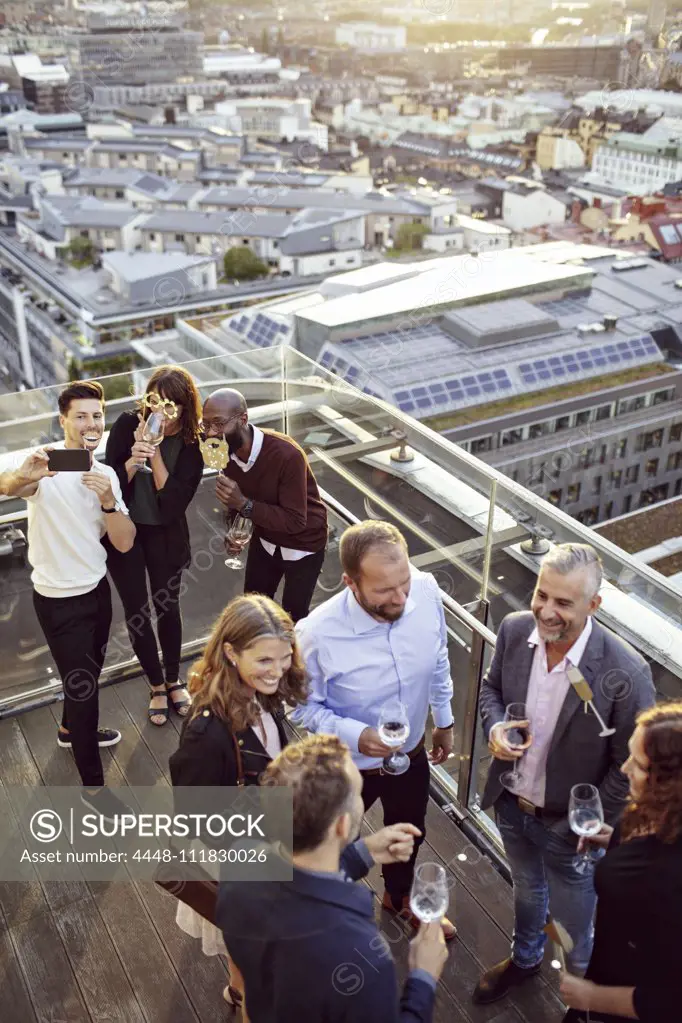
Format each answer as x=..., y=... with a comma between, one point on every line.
x=558, y=363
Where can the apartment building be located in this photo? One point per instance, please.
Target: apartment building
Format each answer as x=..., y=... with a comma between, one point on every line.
x=640, y=164
x=130, y=50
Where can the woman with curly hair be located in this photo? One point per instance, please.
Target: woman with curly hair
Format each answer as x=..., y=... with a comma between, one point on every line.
x=250, y=671
x=157, y=502
x=635, y=964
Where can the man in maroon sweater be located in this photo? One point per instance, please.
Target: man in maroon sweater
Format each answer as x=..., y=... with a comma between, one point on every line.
x=268, y=480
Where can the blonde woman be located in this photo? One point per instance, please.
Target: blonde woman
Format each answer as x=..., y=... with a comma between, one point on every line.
x=251, y=669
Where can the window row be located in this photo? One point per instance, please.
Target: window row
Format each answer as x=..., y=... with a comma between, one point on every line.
x=515, y=435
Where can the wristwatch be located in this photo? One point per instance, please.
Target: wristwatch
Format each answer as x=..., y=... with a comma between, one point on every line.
x=110, y=511
x=247, y=509
x=444, y=728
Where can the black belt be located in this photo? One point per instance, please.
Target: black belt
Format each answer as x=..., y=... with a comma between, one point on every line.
x=379, y=770
x=535, y=811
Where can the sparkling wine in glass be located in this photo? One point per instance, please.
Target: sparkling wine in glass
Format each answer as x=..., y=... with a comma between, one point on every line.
x=430, y=895
x=153, y=434
x=238, y=535
x=518, y=737
x=586, y=817
x=394, y=730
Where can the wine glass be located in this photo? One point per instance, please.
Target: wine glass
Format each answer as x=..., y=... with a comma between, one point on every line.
x=238, y=535
x=518, y=738
x=586, y=817
x=153, y=434
x=429, y=896
x=394, y=730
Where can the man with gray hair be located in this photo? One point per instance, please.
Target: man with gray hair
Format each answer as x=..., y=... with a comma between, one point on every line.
x=552, y=659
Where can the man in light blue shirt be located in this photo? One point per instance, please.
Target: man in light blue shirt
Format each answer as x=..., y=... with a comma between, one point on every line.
x=383, y=638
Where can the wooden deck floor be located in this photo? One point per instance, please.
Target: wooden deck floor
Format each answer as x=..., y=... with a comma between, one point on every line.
x=77, y=952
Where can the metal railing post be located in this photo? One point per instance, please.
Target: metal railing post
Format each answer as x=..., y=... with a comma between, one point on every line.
x=467, y=769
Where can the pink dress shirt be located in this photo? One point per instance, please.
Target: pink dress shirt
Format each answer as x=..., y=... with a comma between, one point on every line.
x=546, y=694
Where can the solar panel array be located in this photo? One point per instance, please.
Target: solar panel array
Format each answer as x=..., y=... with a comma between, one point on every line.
x=472, y=389
x=585, y=361
x=351, y=374
x=261, y=330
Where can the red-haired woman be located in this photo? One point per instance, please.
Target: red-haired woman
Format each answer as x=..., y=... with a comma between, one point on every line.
x=157, y=502
x=250, y=671
x=635, y=964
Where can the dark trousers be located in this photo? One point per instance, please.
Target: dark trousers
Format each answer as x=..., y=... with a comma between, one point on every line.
x=150, y=557
x=404, y=798
x=264, y=573
x=77, y=631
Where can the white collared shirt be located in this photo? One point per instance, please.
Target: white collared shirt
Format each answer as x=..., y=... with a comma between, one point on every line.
x=288, y=553
x=547, y=691
x=356, y=663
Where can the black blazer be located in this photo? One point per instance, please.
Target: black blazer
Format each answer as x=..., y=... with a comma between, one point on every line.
x=637, y=932
x=207, y=755
x=179, y=490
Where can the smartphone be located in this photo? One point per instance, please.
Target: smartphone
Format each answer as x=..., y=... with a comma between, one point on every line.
x=69, y=460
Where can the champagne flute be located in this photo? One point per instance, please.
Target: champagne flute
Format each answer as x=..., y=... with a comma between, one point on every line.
x=153, y=433
x=238, y=535
x=586, y=817
x=518, y=738
x=429, y=896
x=394, y=730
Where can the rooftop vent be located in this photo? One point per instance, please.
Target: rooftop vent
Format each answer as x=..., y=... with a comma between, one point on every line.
x=629, y=264
x=610, y=320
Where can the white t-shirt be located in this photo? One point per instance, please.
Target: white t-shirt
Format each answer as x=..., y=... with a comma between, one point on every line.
x=65, y=526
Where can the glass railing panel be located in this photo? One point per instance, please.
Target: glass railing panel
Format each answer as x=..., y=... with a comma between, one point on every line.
x=357, y=451
x=443, y=496
x=207, y=586
x=30, y=418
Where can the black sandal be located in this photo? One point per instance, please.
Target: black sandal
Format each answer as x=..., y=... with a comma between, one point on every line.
x=181, y=707
x=158, y=712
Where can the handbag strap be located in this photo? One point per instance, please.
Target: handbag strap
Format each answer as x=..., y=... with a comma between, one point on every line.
x=240, y=765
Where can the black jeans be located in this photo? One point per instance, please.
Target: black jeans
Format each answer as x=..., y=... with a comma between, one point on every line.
x=404, y=798
x=150, y=556
x=77, y=631
x=264, y=573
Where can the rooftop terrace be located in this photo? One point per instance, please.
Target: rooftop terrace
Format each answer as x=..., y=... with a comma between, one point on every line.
x=85, y=951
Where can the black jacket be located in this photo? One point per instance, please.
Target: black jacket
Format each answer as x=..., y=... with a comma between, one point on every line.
x=637, y=930
x=207, y=755
x=310, y=951
x=179, y=490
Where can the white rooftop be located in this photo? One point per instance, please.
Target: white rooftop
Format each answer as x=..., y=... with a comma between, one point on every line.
x=137, y=266
x=445, y=281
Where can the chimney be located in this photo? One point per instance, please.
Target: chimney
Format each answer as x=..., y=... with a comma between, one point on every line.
x=576, y=210
x=597, y=202
x=610, y=320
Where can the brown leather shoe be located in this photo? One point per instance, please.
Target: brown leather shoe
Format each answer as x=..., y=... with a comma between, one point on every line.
x=408, y=917
x=496, y=982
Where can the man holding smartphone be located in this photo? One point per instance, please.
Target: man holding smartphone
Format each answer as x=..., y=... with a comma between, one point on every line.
x=69, y=511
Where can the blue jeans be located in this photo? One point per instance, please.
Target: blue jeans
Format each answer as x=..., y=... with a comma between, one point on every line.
x=545, y=882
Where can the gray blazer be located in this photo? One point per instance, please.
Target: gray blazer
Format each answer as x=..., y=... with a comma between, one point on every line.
x=622, y=685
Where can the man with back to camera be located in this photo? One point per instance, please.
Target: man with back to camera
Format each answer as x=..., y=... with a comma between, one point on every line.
x=269, y=480
x=535, y=661
x=68, y=514
x=382, y=638
x=310, y=948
